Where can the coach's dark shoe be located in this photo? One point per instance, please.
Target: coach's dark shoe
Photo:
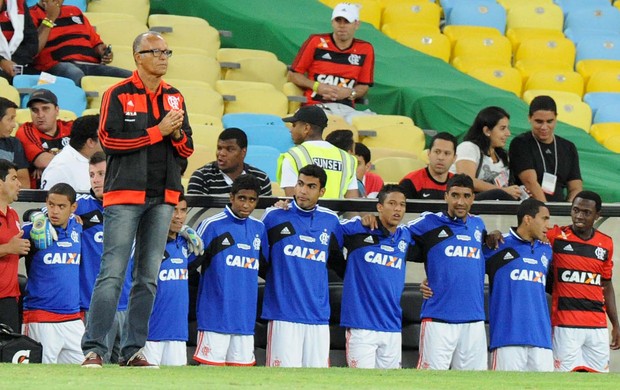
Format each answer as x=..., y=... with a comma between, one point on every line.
x=92, y=360
x=138, y=360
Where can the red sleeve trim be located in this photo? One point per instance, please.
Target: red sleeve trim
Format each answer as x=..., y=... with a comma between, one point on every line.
x=154, y=134
x=123, y=197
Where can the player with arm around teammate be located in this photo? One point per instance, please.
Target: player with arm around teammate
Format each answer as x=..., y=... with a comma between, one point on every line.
x=374, y=282
x=236, y=245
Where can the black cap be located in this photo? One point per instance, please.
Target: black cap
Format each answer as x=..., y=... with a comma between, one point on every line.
x=43, y=95
x=310, y=114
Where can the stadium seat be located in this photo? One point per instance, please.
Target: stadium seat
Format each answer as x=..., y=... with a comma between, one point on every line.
x=533, y=65
x=365, y=122
x=99, y=17
x=604, y=81
x=603, y=19
x=535, y=16
x=518, y=35
x=265, y=70
x=206, y=135
x=393, y=169
x=455, y=32
x=123, y=57
x=201, y=98
x=601, y=131
x=477, y=13
x=120, y=32
x=498, y=49
x=204, y=119
x=263, y=157
x=603, y=47
x=242, y=120
x=608, y=113
x=502, y=77
x=587, y=68
x=90, y=111
x=559, y=49
x=396, y=136
x=24, y=82
x=420, y=13
x=23, y=115
x=613, y=143
x=139, y=8
x=569, y=6
x=370, y=10
x=202, y=155
x=192, y=32
x=97, y=85
x=195, y=67
x=336, y=122
x=558, y=96
x=468, y=64
x=276, y=190
x=176, y=22
x=277, y=136
x=394, y=30
x=253, y=97
x=577, y=114
x=377, y=153
x=577, y=35
x=597, y=100
x=433, y=44
x=71, y=98
x=558, y=81
x=507, y=4
x=295, y=96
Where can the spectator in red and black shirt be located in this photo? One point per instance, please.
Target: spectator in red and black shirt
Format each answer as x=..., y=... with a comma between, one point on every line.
x=68, y=44
x=20, y=43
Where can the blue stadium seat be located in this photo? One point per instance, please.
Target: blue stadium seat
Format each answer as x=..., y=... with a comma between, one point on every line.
x=598, y=48
x=597, y=100
x=448, y=5
x=276, y=136
x=71, y=98
x=81, y=4
x=30, y=81
x=569, y=6
x=264, y=158
x=607, y=113
x=478, y=13
x=602, y=19
x=241, y=120
x=577, y=34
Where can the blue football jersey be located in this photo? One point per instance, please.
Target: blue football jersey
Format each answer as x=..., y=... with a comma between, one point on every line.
x=518, y=310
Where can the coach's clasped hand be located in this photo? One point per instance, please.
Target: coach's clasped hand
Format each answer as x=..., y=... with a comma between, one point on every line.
x=194, y=242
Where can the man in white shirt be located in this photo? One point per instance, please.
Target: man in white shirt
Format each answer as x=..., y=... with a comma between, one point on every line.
x=71, y=164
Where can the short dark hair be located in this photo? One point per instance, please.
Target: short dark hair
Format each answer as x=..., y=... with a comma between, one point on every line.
x=388, y=189
x=342, y=139
x=97, y=158
x=543, y=103
x=245, y=182
x=5, y=167
x=5, y=104
x=63, y=189
x=182, y=197
x=444, y=135
x=314, y=170
x=590, y=195
x=83, y=129
x=234, y=133
x=530, y=207
x=460, y=180
x=363, y=151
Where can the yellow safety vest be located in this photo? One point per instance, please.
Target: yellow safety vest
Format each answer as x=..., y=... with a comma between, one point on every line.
x=339, y=166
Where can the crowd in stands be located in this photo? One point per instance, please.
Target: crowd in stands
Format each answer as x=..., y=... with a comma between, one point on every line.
x=144, y=127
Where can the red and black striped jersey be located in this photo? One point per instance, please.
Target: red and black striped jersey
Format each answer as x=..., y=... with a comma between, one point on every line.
x=579, y=269
x=421, y=185
x=324, y=62
x=72, y=39
x=36, y=142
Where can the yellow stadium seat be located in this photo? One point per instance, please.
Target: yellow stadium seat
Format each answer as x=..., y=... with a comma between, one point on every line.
x=276, y=190
x=518, y=35
x=228, y=54
x=377, y=153
x=204, y=119
x=206, y=135
x=98, y=85
x=604, y=81
x=560, y=49
x=97, y=17
x=123, y=57
x=336, y=122
x=467, y=64
x=9, y=92
x=370, y=10
x=393, y=169
x=613, y=143
x=533, y=65
x=187, y=32
x=557, y=81
x=394, y=30
x=455, y=32
x=120, y=32
x=253, y=97
x=367, y=122
x=507, y=4
x=535, y=15
x=433, y=44
x=578, y=114
x=558, y=96
x=138, y=8
x=265, y=70
x=503, y=77
x=200, y=98
x=601, y=131
x=194, y=67
x=495, y=48
x=175, y=21
x=396, y=136
x=587, y=68
x=202, y=155
x=295, y=96
x=90, y=111
x=422, y=13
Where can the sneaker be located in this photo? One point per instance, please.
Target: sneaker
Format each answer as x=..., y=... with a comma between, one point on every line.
x=92, y=360
x=138, y=360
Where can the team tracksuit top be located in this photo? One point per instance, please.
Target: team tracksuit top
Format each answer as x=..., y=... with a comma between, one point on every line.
x=228, y=289
x=296, y=287
x=452, y=253
x=518, y=310
x=375, y=277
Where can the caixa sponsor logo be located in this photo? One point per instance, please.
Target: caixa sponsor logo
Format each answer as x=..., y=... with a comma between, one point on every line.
x=21, y=357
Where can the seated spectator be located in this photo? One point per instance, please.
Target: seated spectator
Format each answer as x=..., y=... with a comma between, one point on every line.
x=482, y=157
x=45, y=136
x=336, y=68
x=71, y=164
x=20, y=43
x=10, y=147
x=68, y=44
x=216, y=178
x=430, y=182
x=548, y=165
x=371, y=181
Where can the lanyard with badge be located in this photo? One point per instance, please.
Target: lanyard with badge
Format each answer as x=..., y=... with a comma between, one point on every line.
x=549, y=180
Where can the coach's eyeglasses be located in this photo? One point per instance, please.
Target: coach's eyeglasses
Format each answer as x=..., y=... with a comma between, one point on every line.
x=157, y=52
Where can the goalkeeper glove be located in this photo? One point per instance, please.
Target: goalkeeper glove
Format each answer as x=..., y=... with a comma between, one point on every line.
x=194, y=242
x=42, y=233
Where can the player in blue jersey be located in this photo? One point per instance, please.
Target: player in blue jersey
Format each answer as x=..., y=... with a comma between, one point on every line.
x=304, y=240
x=236, y=246
x=374, y=282
x=90, y=210
x=518, y=311
x=450, y=243
x=52, y=304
